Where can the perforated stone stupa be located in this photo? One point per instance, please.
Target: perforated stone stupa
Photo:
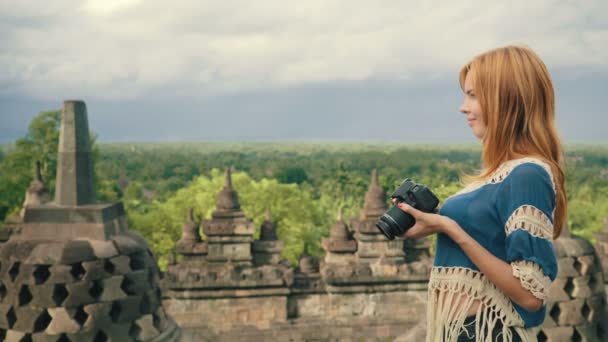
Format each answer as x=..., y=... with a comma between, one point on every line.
x=71, y=270
x=576, y=308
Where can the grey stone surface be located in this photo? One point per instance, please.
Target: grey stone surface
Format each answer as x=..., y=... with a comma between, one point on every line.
x=75, y=175
x=145, y=328
x=63, y=321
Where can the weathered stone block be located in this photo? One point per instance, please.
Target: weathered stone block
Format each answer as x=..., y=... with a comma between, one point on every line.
x=103, y=249
x=570, y=312
x=6, y=321
x=340, y=246
x=78, y=294
x=127, y=244
x=557, y=291
x=99, y=316
x=377, y=249
x=61, y=274
x=565, y=267
x=228, y=226
x=47, y=253
x=112, y=289
x=14, y=335
x=121, y=264
x=27, y=318
x=136, y=283
x=229, y=252
x=76, y=251
x=585, y=264
x=62, y=321
x=42, y=295
x=126, y=310
x=145, y=329
x=94, y=270
x=581, y=287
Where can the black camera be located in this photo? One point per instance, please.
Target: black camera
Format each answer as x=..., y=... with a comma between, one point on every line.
x=395, y=222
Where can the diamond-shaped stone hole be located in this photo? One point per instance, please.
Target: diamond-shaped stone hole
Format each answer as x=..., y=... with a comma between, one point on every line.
x=25, y=296
x=42, y=322
x=26, y=338
x=542, y=337
x=592, y=281
x=577, y=266
x=134, y=331
x=109, y=267
x=127, y=286
x=2, y=292
x=80, y=316
x=569, y=287
x=156, y=321
x=137, y=261
x=144, y=305
x=41, y=274
x=576, y=337
x=63, y=338
x=13, y=272
x=115, y=311
x=555, y=312
x=11, y=318
x=586, y=311
x=96, y=289
x=78, y=271
x=60, y=293
x=100, y=337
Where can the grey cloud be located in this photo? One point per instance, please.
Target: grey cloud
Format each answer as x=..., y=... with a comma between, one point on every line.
x=210, y=47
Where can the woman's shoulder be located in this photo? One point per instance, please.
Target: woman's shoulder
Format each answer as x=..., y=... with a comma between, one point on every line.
x=528, y=168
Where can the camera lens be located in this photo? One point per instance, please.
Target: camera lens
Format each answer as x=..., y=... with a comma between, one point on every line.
x=394, y=222
x=384, y=225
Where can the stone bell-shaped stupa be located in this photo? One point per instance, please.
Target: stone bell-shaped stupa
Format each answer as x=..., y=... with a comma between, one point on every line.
x=576, y=307
x=372, y=244
x=37, y=193
x=72, y=271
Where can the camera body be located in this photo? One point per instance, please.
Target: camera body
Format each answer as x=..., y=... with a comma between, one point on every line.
x=395, y=222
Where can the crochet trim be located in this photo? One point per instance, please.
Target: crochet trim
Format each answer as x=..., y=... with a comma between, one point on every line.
x=530, y=219
x=452, y=293
x=532, y=278
x=503, y=171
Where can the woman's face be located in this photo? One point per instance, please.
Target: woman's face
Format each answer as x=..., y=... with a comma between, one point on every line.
x=471, y=108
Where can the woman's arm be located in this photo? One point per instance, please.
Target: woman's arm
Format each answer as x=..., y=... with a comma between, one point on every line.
x=497, y=271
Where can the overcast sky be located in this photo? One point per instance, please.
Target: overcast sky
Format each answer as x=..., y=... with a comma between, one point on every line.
x=271, y=70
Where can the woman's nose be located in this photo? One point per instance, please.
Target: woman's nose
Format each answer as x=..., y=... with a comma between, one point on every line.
x=463, y=108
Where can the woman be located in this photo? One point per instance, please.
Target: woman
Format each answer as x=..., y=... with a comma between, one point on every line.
x=495, y=259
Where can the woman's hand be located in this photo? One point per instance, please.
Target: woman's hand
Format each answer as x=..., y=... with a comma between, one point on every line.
x=426, y=223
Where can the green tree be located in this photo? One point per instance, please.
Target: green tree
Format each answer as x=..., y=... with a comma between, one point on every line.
x=292, y=175
x=16, y=170
x=295, y=212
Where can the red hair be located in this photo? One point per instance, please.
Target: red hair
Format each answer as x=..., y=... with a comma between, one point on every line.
x=517, y=102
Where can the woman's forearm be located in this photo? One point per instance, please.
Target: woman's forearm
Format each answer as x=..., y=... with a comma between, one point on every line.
x=496, y=270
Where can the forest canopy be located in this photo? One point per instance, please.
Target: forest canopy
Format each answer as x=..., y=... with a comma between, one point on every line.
x=303, y=184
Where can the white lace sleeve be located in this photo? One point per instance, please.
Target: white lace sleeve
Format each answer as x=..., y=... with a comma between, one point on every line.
x=532, y=278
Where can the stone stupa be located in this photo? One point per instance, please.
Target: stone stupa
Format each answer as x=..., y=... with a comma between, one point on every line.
x=72, y=271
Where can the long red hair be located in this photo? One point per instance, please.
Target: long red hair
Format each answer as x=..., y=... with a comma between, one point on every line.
x=517, y=101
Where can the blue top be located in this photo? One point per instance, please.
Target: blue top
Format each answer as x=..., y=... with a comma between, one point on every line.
x=512, y=217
